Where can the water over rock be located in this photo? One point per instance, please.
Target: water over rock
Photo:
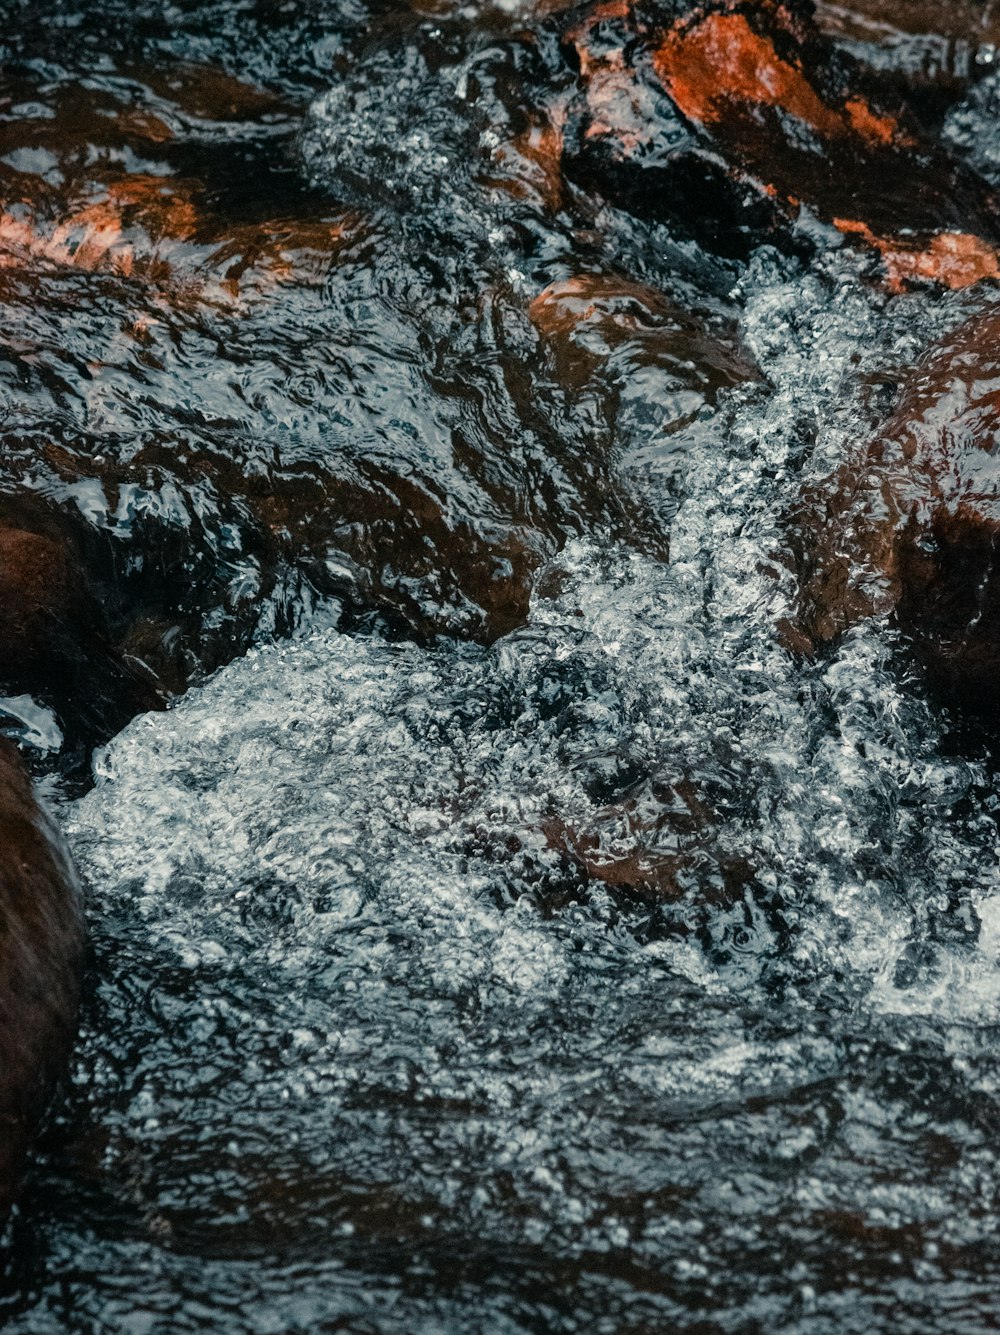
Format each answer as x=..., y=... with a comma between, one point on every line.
x=230, y=409
x=524, y=939
x=917, y=46
x=911, y=525
x=730, y=119
x=41, y=960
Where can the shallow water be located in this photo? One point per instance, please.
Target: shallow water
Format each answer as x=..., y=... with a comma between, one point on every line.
x=516, y=937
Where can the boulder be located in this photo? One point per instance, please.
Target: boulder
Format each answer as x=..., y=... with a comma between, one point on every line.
x=41, y=957
x=911, y=526
x=54, y=640
x=729, y=118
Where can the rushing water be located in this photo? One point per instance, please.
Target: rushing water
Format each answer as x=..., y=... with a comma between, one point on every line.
x=517, y=937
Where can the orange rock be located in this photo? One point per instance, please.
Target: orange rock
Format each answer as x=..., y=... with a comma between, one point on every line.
x=149, y=224
x=41, y=958
x=869, y=125
x=720, y=60
x=736, y=116
x=952, y=259
x=562, y=307
x=145, y=232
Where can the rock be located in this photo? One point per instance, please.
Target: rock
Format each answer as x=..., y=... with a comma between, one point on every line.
x=54, y=641
x=626, y=139
x=68, y=202
x=228, y=419
x=659, y=844
x=919, y=44
x=729, y=118
x=952, y=259
x=589, y=318
x=41, y=957
x=911, y=527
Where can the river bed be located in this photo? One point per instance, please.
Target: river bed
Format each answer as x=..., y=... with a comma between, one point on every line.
x=519, y=942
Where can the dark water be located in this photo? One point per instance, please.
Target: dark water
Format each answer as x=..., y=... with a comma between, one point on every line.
x=514, y=936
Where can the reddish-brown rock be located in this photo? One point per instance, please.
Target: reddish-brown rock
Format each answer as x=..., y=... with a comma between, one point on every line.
x=730, y=117
x=587, y=317
x=41, y=956
x=919, y=43
x=657, y=845
x=53, y=637
x=912, y=525
x=153, y=225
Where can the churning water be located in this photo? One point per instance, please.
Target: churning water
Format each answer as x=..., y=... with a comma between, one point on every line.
x=622, y=973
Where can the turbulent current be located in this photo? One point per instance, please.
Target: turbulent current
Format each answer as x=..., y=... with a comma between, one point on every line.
x=616, y=971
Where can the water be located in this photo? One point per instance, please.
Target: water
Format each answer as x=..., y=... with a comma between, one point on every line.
x=513, y=936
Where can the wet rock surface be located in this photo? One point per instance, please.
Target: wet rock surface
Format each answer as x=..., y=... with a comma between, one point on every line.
x=305, y=393
x=910, y=526
x=730, y=119
x=41, y=962
x=922, y=47
x=56, y=640
x=542, y=457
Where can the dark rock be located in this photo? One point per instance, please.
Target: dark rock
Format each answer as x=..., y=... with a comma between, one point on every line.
x=729, y=118
x=912, y=525
x=917, y=44
x=54, y=640
x=41, y=956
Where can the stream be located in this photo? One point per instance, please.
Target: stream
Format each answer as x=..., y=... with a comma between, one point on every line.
x=503, y=930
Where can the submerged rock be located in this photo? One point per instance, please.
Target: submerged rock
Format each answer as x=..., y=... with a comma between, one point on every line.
x=911, y=526
x=591, y=318
x=918, y=44
x=730, y=119
x=235, y=408
x=41, y=956
x=54, y=640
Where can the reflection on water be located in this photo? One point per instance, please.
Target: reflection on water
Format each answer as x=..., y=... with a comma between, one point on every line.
x=517, y=937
